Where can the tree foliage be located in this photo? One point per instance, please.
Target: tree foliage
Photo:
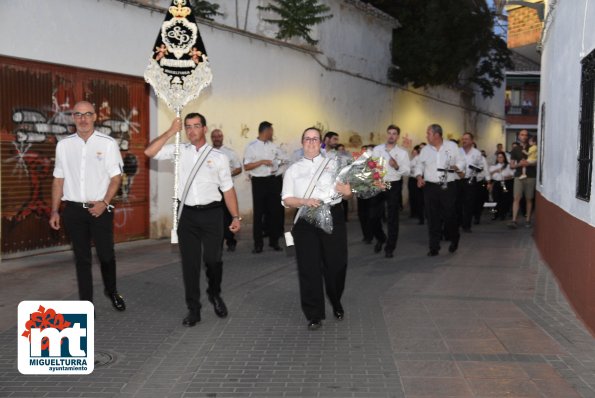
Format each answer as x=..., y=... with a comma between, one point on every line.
x=445, y=42
x=205, y=9
x=296, y=17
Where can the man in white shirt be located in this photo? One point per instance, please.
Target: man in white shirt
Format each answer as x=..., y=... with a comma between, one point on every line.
x=87, y=175
x=235, y=167
x=263, y=161
x=436, y=171
x=475, y=173
x=397, y=167
x=200, y=230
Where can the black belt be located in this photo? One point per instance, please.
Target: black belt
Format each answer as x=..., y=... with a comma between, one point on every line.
x=84, y=205
x=211, y=205
x=271, y=176
x=439, y=183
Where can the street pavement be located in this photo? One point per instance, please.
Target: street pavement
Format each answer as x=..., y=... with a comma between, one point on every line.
x=487, y=321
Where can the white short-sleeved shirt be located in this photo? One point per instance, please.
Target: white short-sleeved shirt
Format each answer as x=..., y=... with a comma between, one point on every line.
x=431, y=159
x=87, y=167
x=397, y=153
x=475, y=158
x=265, y=150
x=214, y=174
x=298, y=176
x=501, y=173
x=234, y=160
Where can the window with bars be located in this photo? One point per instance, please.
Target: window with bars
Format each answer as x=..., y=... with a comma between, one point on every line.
x=587, y=119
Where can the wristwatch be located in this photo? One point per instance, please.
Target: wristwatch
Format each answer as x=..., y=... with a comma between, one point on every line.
x=238, y=217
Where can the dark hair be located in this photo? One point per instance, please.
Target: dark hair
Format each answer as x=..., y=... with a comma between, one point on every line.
x=340, y=145
x=436, y=128
x=312, y=128
x=330, y=134
x=453, y=140
x=470, y=135
x=393, y=127
x=417, y=148
x=505, y=158
x=193, y=115
x=263, y=126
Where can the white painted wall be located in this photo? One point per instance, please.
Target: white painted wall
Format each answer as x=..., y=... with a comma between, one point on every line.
x=560, y=90
x=254, y=80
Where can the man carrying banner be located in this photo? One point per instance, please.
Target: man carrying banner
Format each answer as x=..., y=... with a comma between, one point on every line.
x=204, y=172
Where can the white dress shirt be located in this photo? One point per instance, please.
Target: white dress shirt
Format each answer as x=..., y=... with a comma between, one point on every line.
x=431, y=159
x=234, y=160
x=501, y=173
x=299, y=175
x=265, y=150
x=475, y=158
x=213, y=175
x=87, y=167
x=397, y=153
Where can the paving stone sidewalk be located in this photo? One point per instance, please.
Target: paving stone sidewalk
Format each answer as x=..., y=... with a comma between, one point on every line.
x=488, y=321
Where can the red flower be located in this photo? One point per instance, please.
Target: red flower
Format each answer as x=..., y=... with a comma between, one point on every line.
x=377, y=176
x=372, y=164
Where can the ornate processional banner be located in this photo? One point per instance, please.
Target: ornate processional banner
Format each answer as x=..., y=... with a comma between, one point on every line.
x=179, y=68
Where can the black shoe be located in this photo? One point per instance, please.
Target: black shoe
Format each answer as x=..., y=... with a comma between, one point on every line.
x=389, y=254
x=192, y=318
x=117, y=300
x=476, y=222
x=378, y=246
x=257, y=249
x=432, y=253
x=276, y=247
x=453, y=247
x=339, y=313
x=219, y=306
x=467, y=230
x=231, y=245
x=314, y=324
x=420, y=223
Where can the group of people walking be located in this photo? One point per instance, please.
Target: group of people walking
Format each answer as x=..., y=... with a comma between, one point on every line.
x=88, y=172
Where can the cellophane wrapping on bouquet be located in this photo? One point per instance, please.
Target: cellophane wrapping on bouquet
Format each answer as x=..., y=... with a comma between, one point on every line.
x=366, y=178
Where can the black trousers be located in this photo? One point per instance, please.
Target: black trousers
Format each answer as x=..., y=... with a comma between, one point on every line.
x=483, y=195
x=321, y=257
x=440, y=206
x=363, y=214
x=391, y=199
x=199, y=234
x=416, y=200
x=228, y=236
x=84, y=228
x=503, y=199
x=266, y=200
x=467, y=201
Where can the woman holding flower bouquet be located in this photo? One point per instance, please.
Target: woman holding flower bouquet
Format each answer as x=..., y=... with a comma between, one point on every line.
x=310, y=184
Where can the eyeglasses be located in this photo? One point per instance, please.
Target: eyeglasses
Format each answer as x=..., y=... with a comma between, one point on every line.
x=312, y=139
x=80, y=115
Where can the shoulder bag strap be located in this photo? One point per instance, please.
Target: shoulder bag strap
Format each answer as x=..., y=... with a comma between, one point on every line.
x=191, y=177
x=313, y=182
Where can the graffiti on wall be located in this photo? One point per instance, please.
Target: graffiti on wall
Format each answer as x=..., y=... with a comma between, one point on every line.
x=36, y=116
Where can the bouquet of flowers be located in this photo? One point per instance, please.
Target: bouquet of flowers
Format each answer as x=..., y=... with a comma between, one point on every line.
x=365, y=175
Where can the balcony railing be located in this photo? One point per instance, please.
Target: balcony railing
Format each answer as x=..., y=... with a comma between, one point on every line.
x=514, y=110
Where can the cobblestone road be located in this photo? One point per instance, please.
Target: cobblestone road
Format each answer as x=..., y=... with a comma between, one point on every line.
x=488, y=321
